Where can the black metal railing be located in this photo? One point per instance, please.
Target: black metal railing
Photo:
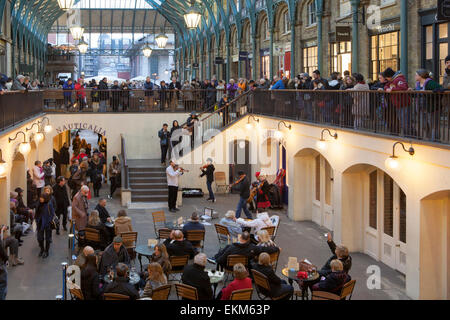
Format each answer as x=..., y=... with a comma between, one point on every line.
x=421, y=115
x=124, y=165
x=16, y=107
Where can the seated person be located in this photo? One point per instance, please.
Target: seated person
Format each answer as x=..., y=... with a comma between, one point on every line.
x=162, y=257
x=113, y=254
x=90, y=279
x=193, y=224
x=81, y=259
x=121, y=285
x=264, y=239
x=95, y=223
x=262, y=221
x=195, y=275
x=243, y=247
x=335, y=280
x=229, y=221
x=123, y=224
x=156, y=278
x=177, y=246
x=241, y=281
x=22, y=210
x=17, y=228
x=278, y=287
x=339, y=252
x=103, y=213
x=13, y=245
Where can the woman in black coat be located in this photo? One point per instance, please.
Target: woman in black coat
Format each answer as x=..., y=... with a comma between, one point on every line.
x=44, y=216
x=278, y=287
x=96, y=170
x=208, y=171
x=90, y=280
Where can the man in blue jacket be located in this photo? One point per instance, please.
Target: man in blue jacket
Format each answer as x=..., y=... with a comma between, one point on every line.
x=68, y=87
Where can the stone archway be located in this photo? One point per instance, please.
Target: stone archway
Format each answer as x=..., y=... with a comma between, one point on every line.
x=435, y=246
x=18, y=176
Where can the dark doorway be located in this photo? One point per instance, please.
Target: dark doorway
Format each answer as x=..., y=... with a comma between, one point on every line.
x=239, y=160
x=285, y=190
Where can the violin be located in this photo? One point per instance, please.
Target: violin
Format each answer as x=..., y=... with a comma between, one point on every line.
x=180, y=168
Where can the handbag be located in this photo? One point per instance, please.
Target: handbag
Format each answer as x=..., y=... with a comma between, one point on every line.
x=54, y=224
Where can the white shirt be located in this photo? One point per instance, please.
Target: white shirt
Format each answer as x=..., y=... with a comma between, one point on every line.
x=38, y=177
x=172, y=176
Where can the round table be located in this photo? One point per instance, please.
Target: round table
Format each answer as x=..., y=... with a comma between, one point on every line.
x=215, y=278
x=143, y=250
x=133, y=278
x=306, y=282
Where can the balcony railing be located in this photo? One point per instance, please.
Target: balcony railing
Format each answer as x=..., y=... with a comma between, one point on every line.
x=16, y=107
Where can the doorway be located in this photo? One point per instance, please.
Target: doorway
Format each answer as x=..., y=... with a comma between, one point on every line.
x=239, y=160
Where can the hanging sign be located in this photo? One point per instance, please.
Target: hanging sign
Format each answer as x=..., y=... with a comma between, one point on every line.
x=443, y=10
x=218, y=60
x=343, y=34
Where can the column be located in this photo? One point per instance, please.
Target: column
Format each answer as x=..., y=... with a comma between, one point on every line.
x=404, y=37
x=227, y=76
x=293, y=52
x=319, y=15
x=271, y=53
x=254, y=59
x=209, y=69
x=355, y=36
x=239, y=61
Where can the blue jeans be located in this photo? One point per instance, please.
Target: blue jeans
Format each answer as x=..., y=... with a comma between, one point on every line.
x=242, y=204
x=103, y=105
x=210, y=190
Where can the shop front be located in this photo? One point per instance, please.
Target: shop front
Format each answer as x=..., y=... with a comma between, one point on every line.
x=341, y=50
x=310, y=57
x=384, y=48
x=265, y=63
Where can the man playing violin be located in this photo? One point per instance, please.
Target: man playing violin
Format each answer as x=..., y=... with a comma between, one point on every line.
x=244, y=192
x=208, y=171
x=173, y=173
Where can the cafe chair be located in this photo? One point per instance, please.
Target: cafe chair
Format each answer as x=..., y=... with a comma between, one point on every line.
x=163, y=234
x=196, y=236
x=274, y=260
x=223, y=235
x=263, y=287
x=276, y=222
x=270, y=231
x=115, y=296
x=347, y=290
x=186, y=292
x=159, y=218
x=130, y=237
x=243, y=294
x=323, y=295
x=162, y=293
x=233, y=259
x=178, y=263
x=221, y=181
x=92, y=238
x=74, y=290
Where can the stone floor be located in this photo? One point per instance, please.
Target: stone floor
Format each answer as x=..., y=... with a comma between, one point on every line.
x=41, y=279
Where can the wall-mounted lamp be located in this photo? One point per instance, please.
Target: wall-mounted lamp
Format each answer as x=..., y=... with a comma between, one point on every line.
x=392, y=161
x=249, y=126
x=24, y=147
x=39, y=136
x=48, y=127
x=3, y=165
x=322, y=143
x=278, y=133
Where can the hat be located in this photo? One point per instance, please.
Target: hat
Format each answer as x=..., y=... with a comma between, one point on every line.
x=447, y=59
x=209, y=160
x=388, y=73
x=13, y=195
x=18, y=190
x=117, y=239
x=258, y=174
x=114, y=158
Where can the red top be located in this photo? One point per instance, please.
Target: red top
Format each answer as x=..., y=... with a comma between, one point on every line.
x=236, y=285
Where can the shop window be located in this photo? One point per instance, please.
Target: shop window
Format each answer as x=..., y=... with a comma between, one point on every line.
x=328, y=183
x=265, y=29
x=318, y=178
x=373, y=199
x=286, y=22
x=385, y=53
x=310, y=59
x=402, y=222
x=312, y=18
x=341, y=57
x=388, y=205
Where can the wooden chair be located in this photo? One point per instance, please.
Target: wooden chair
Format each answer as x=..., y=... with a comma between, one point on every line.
x=186, y=292
x=270, y=231
x=158, y=218
x=196, y=236
x=323, y=295
x=222, y=234
x=221, y=180
x=164, y=234
x=178, y=263
x=274, y=260
x=262, y=282
x=130, y=237
x=115, y=296
x=92, y=238
x=162, y=293
x=233, y=259
x=347, y=290
x=244, y=294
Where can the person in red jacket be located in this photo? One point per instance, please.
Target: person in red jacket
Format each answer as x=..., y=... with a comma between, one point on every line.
x=81, y=93
x=396, y=81
x=241, y=281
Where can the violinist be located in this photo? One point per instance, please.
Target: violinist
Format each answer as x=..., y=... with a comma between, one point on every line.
x=244, y=192
x=208, y=171
x=173, y=173
x=262, y=194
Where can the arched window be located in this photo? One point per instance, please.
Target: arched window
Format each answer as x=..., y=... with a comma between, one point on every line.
x=265, y=29
x=312, y=19
x=345, y=8
x=286, y=22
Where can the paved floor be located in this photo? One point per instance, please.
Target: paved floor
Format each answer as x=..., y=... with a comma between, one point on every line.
x=41, y=279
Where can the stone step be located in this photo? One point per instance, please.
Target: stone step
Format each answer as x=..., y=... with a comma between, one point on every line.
x=149, y=192
x=140, y=179
x=147, y=174
x=146, y=198
x=147, y=169
x=148, y=186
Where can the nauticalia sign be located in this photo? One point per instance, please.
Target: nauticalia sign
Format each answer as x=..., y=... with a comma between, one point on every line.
x=81, y=125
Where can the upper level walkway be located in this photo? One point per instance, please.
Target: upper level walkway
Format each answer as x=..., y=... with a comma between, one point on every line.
x=422, y=116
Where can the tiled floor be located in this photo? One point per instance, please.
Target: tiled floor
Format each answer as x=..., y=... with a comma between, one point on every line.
x=41, y=279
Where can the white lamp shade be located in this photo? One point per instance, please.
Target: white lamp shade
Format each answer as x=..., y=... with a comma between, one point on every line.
x=38, y=137
x=65, y=4
x=3, y=168
x=322, y=145
x=161, y=40
x=249, y=126
x=83, y=48
x=48, y=128
x=278, y=134
x=77, y=32
x=147, y=51
x=392, y=163
x=192, y=18
x=24, y=148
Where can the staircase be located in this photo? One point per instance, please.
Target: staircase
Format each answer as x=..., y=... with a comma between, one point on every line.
x=148, y=181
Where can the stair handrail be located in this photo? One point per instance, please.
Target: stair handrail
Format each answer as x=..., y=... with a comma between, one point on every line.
x=124, y=164
x=241, y=96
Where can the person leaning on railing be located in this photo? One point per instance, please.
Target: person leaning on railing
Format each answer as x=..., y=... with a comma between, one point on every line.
x=446, y=80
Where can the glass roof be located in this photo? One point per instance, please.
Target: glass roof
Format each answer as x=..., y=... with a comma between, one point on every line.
x=113, y=4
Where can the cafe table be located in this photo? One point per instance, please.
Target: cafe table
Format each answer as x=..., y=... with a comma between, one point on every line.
x=312, y=279
x=215, y=277
x=133, y=278
x=143, y=250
